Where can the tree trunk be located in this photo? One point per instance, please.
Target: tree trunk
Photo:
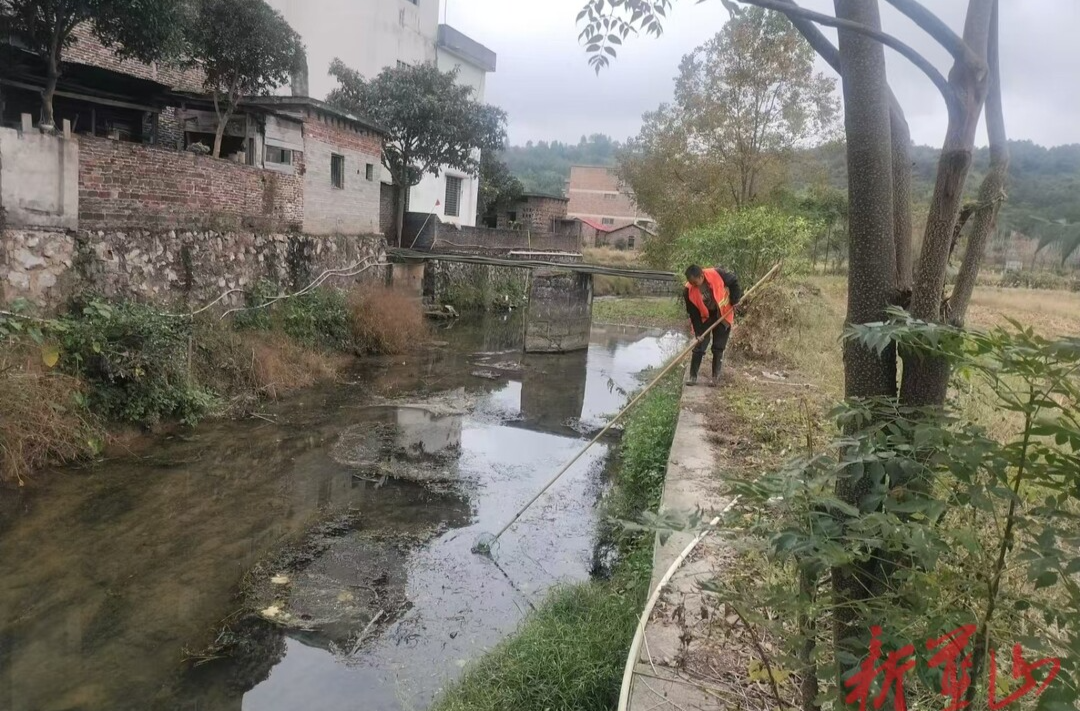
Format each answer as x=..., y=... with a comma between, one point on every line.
x=926, y=380
x=992, y=190
x=901, y=176
x=52, y=76
x=402, y=192
x=871, y=268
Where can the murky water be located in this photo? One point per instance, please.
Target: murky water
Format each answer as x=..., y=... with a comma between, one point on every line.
x=113, y=575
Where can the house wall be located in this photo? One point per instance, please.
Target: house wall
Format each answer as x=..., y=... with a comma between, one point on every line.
x=39, y=180
x=166, y=267
x=368, y=35
x=86, y=49
x=535, y=212
x=621, y=238
x=354, y=208
x=127, y=185
x=595, y=193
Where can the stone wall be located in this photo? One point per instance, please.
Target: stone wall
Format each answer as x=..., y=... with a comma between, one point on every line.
x=170, y=266
x=354, y=207
x=39, y=180
x=387, y=212
x=127, y=185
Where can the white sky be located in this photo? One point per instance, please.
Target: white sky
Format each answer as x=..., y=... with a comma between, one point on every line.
x=544, y=83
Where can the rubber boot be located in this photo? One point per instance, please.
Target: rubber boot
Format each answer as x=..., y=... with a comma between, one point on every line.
x=717, y=367
x=695, y=366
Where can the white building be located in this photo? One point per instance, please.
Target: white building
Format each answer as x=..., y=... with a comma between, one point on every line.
x=371, y=35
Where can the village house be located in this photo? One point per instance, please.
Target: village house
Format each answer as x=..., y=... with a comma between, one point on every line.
x=140, y=135
x=597, y=194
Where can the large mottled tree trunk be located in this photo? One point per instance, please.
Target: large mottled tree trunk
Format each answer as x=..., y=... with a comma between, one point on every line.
x=901, y=177
x=992, y=190
x=926, y=379
x=871, y=267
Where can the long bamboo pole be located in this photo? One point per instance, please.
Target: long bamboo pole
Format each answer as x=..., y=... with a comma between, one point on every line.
x=486, y=546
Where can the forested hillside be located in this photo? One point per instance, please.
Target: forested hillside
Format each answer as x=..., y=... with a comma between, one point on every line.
x=1044, y=183
x=545, y=167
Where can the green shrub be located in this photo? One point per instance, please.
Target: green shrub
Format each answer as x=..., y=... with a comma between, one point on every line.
x=257, y=316
x=134, y=360
x=319, y=319
x=748, y=242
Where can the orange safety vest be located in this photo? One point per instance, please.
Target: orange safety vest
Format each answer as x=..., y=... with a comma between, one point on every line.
x=720, y=293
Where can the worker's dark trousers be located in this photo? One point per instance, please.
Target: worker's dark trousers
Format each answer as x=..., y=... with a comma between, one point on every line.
x=719, y=339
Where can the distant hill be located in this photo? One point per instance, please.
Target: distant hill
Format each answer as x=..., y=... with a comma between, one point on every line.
x=1044, y=183
x=545, y=167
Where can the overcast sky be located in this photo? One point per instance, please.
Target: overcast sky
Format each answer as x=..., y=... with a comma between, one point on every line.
x=544, y=83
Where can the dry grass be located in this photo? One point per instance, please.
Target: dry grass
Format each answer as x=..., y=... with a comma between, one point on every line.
x=249, y=365
x=1051, y=313
x=42, y=419
x=386, y=321
x=612, y=257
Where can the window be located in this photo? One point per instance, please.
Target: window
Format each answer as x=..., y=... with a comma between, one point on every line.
x=337, y=171
x=453, y=196
x=607, y=221
x=511, y=217
x=630, y=241
x=369, y=171
x=401, y=64
x=610, y=196
x=279, y=156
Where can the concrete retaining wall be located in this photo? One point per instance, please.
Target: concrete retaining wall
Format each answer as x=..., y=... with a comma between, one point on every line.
x=39, y=180
x=559, y=314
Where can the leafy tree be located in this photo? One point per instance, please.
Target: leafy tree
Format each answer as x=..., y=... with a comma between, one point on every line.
x=499, y=189
x=432, y=122
x=544, y=167
x=749, y=242
x=139, y=29
x=1061, y=234
x=743, y=102
x=246, y=48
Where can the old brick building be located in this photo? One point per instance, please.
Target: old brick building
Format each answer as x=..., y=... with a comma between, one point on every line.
x=288, y=163
x=537, y=212
x=597, y=194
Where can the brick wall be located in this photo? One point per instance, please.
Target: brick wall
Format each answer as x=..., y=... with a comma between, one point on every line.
x=86, y=49
x=388, y=212
x=596, y=193
x=536, y=212
x=127, y=185
x=354, y=208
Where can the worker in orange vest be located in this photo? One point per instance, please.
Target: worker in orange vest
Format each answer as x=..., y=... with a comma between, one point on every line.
x=711, y=295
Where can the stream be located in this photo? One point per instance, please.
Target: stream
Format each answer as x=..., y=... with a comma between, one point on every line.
x=317, y=557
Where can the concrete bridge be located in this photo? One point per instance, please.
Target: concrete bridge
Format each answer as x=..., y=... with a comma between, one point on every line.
x=558, y=285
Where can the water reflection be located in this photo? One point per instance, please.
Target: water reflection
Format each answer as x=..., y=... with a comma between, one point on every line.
x=113, y=572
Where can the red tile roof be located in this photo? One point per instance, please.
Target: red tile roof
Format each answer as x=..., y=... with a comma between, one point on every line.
x=596, y=225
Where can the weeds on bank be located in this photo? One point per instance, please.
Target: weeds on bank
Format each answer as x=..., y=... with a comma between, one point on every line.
x=569, y=654
x=100, y=361
x=646, y=312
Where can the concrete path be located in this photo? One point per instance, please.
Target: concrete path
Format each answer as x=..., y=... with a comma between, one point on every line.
x=663, y=679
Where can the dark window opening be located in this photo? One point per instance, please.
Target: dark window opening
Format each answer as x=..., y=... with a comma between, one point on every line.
x=369, y=171
x=453, y=196
x=337, y=171
x=280, y=156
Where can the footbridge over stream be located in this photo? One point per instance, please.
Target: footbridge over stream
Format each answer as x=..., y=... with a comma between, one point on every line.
x=557, y=283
